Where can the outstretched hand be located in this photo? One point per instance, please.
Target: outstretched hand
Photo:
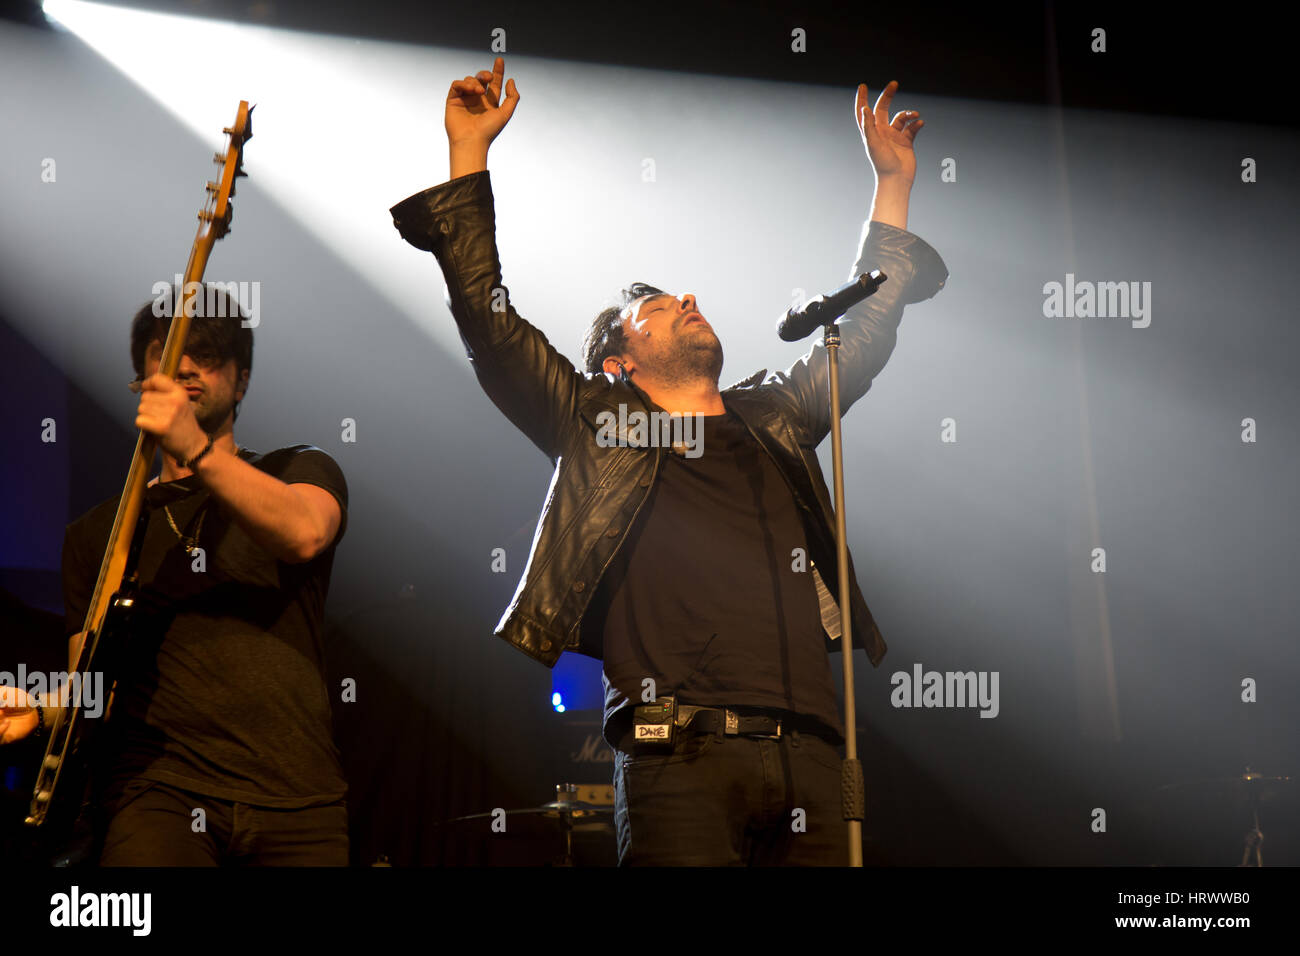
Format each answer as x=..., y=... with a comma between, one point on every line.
x=475, y=112
x=888, y=142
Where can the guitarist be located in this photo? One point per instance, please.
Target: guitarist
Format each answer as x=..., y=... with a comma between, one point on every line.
x=221, y=704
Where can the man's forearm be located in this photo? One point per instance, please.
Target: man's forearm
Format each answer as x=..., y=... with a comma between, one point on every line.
x=273, y=514
x=889, y=204
x=467, y=158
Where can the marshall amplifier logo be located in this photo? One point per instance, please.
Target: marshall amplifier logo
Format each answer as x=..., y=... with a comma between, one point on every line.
x=593, y=750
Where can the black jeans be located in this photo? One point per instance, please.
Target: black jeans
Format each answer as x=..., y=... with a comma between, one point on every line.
x=721, y=800
x=154, y=824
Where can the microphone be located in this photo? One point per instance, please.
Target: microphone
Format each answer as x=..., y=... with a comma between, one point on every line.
x=825, y=309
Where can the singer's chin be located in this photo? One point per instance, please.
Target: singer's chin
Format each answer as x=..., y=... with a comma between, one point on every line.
x=711, y=358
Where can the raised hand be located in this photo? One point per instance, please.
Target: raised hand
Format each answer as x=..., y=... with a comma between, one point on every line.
x=888, y=142
x=166, y=412
x=475, y=112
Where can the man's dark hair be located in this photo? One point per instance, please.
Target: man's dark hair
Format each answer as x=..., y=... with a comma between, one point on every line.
x=606, y=336
x=213, y=339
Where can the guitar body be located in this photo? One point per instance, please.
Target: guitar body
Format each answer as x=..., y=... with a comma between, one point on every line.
x=67, y=834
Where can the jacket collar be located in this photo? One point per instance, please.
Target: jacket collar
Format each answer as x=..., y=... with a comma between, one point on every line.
x=610, y=394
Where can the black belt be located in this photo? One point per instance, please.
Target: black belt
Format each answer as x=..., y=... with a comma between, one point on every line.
x=722, y=720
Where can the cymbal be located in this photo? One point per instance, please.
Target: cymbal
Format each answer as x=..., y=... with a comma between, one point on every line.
x=1247, y=784
x=545, y=820
x=572, y=805
x=554, y=808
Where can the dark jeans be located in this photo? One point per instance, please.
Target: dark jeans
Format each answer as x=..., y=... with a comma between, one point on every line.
x=731, y=801
x=153, y=824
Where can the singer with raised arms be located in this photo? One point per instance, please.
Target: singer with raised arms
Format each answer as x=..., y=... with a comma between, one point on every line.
x=682, y=574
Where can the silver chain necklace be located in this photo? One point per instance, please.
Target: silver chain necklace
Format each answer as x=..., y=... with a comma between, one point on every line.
x=191, y=543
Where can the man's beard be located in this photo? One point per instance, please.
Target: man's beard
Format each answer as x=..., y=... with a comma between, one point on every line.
x=689, y=359
x=212, y=413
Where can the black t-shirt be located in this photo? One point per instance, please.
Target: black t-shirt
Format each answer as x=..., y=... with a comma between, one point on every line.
x=707, y=597
x=221, y=685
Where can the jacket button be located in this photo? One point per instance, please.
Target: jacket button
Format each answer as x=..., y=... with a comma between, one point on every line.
x=444, y=227
x=546, y=645
x=579, y=585
x=612, y=533
x=645, y=482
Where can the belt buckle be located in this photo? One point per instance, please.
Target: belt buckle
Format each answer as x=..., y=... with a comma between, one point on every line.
x=731, y=726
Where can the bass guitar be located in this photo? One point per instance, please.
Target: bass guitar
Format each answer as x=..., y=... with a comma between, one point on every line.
x=61, y=783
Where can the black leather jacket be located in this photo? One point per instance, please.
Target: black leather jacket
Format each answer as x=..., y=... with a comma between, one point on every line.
x=596, y=491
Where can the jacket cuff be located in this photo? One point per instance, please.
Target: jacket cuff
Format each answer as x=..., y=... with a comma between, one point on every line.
x=417, y=217
x=915, y=262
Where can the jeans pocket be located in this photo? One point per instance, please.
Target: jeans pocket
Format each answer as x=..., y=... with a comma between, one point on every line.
x=821, y=753
x=688, y=747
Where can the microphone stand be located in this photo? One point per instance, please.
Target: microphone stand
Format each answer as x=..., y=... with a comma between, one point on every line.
x=792, y=329
x=852, y=794
x=852, y=789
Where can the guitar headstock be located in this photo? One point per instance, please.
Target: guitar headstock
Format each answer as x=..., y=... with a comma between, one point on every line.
x=218, y=211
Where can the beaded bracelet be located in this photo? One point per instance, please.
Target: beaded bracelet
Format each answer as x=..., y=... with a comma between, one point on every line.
x=189, y=465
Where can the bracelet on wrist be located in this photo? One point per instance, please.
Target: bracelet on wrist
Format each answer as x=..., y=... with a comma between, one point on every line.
x=189, y=465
